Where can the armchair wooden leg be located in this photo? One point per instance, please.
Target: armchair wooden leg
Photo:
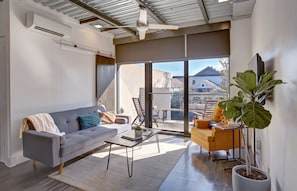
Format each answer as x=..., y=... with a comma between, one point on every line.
x=34, y=162
x=61, y=168
x=227, y=154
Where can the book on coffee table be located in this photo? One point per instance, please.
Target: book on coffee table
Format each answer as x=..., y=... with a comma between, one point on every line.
x=131, y=137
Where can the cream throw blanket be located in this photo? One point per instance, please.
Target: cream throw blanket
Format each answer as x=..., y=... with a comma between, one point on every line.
x=41, y=122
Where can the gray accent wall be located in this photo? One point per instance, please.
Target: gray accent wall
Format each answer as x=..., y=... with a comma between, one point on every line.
x=4, y=81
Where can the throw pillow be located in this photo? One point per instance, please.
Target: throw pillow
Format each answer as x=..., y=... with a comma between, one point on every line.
x=89, y=120
x=108, y=117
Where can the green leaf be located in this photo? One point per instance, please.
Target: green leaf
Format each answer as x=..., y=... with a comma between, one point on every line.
x=246, y=81
x=266, y=77
x=267, y=87
x=256, y=116
x=232, y=108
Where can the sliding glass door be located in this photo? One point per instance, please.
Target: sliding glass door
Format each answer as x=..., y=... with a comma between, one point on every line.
x=170, y=102
x=208, y=80
x=167, y=95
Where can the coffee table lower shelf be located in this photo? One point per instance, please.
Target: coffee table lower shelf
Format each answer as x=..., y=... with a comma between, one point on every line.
x=118, y=140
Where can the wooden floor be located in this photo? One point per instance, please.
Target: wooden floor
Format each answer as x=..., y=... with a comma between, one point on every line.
x=194, y=171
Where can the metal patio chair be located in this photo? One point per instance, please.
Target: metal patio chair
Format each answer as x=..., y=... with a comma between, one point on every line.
x=140, y=112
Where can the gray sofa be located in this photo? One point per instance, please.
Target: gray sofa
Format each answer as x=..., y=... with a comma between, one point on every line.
x=54, y=150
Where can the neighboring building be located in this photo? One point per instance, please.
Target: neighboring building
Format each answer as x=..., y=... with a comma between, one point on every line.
x=206, y=84
x=208, y=73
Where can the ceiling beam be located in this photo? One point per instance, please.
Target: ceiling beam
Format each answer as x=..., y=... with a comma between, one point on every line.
x=87, y=20
x=203, y=10
x=183, y=31
x=155, y=15
x=100, y=15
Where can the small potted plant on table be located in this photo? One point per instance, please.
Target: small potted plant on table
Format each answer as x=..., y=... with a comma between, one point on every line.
x=247, y=109
x=138, y=131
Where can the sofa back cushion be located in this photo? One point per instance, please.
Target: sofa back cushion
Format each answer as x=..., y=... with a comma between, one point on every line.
x=67, y=121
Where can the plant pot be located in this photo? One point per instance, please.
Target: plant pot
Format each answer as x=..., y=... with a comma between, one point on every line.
x=241, y=183
x=138, y=133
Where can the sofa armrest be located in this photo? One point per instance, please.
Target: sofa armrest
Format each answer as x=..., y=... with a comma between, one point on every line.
x=126, y=117
x=202, y=123
x=42, y=146
x=121, y=120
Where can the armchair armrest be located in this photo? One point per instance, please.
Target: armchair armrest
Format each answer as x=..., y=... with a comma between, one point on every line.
x=42, y=146
x=224, y=138
x=121, y=116
x=202, y=123
x=198, y=114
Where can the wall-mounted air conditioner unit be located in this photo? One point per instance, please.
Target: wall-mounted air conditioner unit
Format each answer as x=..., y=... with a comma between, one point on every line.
x=47, y=26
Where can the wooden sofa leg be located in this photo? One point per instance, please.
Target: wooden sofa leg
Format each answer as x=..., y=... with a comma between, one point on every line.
x=34, y=162
x=61, y=168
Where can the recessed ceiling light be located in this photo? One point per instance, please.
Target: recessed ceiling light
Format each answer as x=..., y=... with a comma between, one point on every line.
x=98, y=26
x=221, y=1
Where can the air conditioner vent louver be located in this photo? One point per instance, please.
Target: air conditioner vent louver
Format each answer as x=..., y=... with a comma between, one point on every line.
x=47, y=26
x=48, y=31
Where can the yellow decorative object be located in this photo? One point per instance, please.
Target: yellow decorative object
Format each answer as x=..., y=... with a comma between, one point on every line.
x=214, y=138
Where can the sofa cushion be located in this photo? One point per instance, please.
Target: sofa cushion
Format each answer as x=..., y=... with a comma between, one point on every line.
x=120, y=127
x=89, y=120
x=79, y=140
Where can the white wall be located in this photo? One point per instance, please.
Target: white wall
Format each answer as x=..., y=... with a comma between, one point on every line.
x=240, y=45
x=44, y=77
x=274, y=30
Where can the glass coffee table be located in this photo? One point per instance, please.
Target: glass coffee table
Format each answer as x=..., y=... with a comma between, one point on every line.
x=128, y=140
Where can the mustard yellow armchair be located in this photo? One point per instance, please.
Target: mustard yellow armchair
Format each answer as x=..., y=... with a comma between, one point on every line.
x=214, y=138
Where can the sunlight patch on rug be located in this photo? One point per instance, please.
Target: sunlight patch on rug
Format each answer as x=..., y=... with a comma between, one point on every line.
x=150, y=167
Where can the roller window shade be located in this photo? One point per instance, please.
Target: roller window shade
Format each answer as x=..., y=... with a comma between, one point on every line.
x=208, y=45
x=199, y=45
x=166, y=49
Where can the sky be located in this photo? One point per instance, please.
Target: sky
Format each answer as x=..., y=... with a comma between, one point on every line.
x=195, y=66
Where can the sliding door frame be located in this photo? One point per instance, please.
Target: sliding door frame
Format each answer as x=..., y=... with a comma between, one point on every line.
x=148, y=93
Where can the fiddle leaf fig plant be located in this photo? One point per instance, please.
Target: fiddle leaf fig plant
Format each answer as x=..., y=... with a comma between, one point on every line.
x=246, y=108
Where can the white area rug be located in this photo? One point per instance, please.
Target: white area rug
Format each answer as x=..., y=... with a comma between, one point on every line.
x=150, y=167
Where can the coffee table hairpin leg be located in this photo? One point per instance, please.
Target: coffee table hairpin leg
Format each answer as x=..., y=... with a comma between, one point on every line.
x=108, y=156
x=130, y=168
x=157, y=139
